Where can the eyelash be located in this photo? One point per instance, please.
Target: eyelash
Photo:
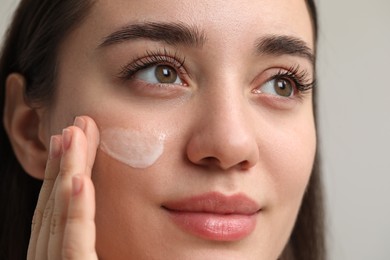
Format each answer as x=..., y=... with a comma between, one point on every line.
x=150, y=59
x=300, y=78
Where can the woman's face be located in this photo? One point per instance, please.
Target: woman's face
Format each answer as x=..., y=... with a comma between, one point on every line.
x=207, y=142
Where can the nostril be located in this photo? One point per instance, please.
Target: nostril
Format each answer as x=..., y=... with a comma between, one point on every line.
x=245, y=165
x=215, y=162
x=210, y=161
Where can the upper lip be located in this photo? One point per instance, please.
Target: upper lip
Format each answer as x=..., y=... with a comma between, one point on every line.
x=215, y=203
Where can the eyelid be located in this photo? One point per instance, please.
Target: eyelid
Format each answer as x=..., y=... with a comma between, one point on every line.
x=300, y=77
x=295, y=74
x=149, y=73
x=152, y=58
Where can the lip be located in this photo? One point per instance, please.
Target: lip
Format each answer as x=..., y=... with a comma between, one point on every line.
x=214, y=216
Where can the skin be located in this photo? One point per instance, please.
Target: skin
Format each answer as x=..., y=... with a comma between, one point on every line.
x=219, y=135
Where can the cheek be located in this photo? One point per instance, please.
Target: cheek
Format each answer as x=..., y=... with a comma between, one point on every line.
x=123, y=205
x=286, y=160
x=292, y=156
x=137, y=149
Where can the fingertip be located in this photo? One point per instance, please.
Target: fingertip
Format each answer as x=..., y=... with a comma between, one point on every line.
x=80, y=123
x=66, y=138
x=89, y=126
x=55, y=146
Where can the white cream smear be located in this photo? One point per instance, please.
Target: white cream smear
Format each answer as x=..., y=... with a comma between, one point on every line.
x=134, y=148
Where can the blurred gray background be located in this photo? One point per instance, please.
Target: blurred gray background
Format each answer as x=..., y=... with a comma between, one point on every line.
x=354, y=106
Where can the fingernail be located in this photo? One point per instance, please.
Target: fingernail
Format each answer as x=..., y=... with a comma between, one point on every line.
x=55, y=147
x=80, y=123
x=77, y=185
x=66, y=138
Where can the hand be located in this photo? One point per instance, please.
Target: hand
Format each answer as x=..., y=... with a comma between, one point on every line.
x=63, y=224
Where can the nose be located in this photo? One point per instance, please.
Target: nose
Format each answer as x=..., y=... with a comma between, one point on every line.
x=224, y=134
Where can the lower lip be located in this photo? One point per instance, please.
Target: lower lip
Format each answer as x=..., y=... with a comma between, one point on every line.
x=217, y=227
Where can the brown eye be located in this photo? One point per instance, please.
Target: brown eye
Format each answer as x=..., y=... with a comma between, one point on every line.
x=283, y=87
x=165, y=74
x=159, y=74
x=278, y=87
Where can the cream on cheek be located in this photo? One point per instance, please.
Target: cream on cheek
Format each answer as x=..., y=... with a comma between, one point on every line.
x=135, y=148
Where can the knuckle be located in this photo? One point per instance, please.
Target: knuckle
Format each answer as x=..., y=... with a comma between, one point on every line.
x=37, y=219
x=53, y=225
x=65, y=172
x=70, y=251
x=46, y=189
x=73, y=251
x=48, y=210
x=56, y=224
x=49, y=178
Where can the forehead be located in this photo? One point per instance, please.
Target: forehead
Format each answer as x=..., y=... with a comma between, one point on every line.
x=218, y=19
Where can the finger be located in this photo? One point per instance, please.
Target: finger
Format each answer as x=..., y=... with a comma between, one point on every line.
x=73, y=162
x=52, y=168
x=80, y=230
x=91, y=131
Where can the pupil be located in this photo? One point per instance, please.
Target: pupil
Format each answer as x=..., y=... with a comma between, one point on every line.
x=282, y=84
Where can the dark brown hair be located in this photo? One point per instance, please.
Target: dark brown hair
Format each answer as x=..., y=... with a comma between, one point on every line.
x=30, y=48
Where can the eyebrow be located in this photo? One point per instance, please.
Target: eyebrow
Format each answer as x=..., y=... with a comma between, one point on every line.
x=170, y=33
x=183, y=34
x=284, y=45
